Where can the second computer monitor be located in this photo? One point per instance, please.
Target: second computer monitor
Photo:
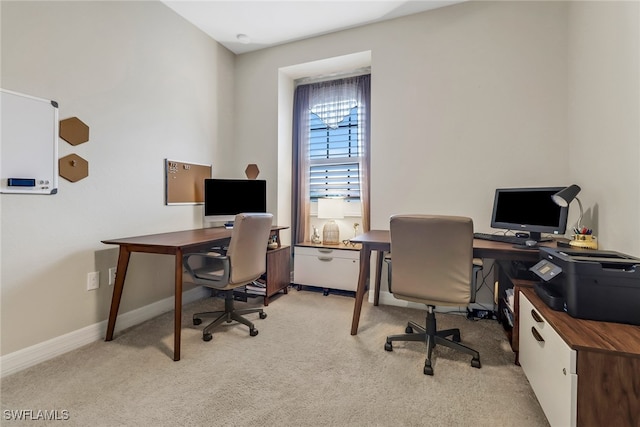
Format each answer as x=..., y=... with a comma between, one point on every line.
x=529, y=209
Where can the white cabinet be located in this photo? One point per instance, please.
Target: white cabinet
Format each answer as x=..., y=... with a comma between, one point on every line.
x=326, y=267
x=550, y=366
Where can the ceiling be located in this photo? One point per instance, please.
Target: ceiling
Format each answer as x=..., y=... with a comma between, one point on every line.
x=247, y=25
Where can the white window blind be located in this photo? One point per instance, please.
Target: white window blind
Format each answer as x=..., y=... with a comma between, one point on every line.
x=334, y=157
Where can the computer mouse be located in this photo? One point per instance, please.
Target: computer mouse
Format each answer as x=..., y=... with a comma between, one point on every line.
x=531, y=243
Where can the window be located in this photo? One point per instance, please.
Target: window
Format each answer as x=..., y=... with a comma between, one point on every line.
x=331, y=127
x=334, y=156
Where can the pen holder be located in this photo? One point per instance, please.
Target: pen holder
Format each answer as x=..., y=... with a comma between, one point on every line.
x=586, y=241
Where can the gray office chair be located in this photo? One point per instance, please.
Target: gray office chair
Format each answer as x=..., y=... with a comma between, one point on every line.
x=432, y=265
x=243, y=262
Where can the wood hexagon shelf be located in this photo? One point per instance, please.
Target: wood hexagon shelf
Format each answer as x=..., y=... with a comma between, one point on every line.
x=73, y=167
x=74, y=131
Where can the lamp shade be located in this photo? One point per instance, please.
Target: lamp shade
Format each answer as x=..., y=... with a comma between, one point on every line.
x=566, y=195
x=330, y=208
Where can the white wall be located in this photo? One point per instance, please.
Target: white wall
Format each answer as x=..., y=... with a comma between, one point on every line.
x=604, y=119
x=464, y=99
x=150, y=86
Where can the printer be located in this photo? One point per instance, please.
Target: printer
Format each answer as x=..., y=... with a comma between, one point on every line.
x=590, y=284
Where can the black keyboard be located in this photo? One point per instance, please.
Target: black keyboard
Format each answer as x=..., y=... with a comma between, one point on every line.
x=500, y=238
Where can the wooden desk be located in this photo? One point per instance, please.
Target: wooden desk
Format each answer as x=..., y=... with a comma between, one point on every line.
x=607, y=366
x=177, y=244
x=380, y=241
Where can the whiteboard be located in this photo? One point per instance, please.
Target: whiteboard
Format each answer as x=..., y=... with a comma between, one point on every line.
x=28, y=144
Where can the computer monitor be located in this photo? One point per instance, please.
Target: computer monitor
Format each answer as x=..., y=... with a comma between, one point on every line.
x=529, y=209
x=225, y=198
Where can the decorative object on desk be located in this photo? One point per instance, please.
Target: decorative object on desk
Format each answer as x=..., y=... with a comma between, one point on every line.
x=563, y=197
x=315, y=237
x=252, y=171
x=331, y=209
x=348, y=242
x=73, y=167
x=585, y=241
x=74, y=131
x=273, y=242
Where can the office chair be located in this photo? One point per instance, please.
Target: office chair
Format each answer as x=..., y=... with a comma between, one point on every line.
x=243, y=262
x=432, y=265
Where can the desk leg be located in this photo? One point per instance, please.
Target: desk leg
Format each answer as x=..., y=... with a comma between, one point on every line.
x=376, y=294
x=177, y=322
x=365, y=259
x=123, y=263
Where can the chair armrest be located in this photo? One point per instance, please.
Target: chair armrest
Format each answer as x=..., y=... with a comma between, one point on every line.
x=211, y=262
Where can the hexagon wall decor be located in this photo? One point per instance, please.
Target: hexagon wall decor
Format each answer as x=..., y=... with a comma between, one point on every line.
x=73, y=167
x=252, y=171
x=74, y=131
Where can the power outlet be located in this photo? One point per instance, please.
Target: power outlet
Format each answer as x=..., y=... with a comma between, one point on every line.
x=93, y=280
x=112, y=276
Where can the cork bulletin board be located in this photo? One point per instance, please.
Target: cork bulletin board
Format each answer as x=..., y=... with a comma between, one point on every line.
x=184, y=182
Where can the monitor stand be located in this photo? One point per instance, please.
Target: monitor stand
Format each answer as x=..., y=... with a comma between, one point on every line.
x=534, y=236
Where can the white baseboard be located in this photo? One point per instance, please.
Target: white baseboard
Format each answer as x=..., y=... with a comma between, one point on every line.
x=30, y=356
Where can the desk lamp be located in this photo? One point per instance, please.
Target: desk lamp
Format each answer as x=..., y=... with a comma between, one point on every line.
x=565, y=196
x=582, y=237
x=331, y=209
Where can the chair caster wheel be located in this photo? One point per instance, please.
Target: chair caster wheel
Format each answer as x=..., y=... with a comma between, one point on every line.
x=475, y=362
x=263, y=315
x=388, y=346
x=428, y=370
x=253, y=332
x=197, y=321
x=408, y=330
x=206, y=337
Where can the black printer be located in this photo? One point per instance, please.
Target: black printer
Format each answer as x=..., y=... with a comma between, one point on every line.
x=590, y=284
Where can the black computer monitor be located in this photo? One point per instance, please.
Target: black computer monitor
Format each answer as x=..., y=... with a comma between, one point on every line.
x=529, y=209
x=225, y=198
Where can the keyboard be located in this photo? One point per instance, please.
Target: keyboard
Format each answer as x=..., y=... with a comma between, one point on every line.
x=500, y=238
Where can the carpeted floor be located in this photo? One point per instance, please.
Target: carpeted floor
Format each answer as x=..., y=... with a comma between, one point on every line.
x=302, y=369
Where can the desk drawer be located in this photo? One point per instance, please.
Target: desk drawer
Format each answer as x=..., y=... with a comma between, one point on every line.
x=326, y=268
x=550, y=366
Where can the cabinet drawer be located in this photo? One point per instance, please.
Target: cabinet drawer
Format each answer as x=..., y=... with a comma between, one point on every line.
x=327, y=252
x=549, y=364
x=326, y=268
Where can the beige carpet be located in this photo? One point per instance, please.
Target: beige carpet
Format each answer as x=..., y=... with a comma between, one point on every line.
x=302, y=369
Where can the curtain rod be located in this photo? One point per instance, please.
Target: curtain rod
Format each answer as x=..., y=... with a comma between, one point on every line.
x=332, y=76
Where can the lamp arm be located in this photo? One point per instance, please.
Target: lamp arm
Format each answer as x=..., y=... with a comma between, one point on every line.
x=581, y=213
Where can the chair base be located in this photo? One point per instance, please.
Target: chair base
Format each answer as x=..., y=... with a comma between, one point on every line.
x=229, y=314
x=432, y=337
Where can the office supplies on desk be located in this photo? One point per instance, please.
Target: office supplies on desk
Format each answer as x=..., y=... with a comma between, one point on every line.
x=590, y=284
x=586, y=241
